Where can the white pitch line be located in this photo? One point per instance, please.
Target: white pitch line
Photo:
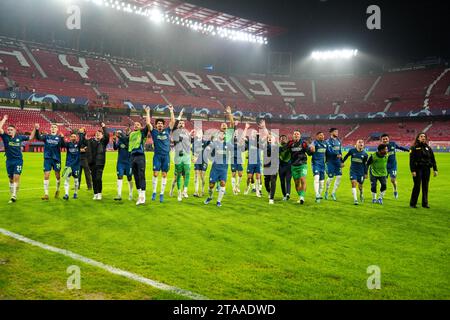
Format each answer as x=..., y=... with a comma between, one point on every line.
x=108, y=268
x=33, y=189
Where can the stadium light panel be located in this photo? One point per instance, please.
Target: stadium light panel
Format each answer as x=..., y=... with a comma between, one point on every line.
x=334, y=54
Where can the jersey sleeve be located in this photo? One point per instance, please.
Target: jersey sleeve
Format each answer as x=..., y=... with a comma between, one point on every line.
x=347, y=155
x=24, y=138
x=400, y=147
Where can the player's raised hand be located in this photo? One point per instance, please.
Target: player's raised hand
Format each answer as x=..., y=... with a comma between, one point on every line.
x=5, y=117
x=147, y=109
x=82, y=130
x=103, y=125
x=228, y=109
x=312, y=148
x=37, y=126
x=170, y=107
x=247, y=125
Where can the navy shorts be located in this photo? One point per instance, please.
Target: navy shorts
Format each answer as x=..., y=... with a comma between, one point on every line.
x=124, y=169
x=14, y=167
x=334, y=169
x=201, y=167
x=161, y=163
x=254, y=168
x=392, y=172
x=319, y=170
x=236, y=167
x=217, y=175
x=358, y=177
x=74, y=171
x=52, y=164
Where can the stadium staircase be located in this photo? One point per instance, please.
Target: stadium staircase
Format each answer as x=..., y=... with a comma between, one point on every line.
x=352, y=131
x=427, y=128
x=372, y=88
x=34, y=61
x=388, y=106
x=432, y=85
x=114, y=70
x=242, y=88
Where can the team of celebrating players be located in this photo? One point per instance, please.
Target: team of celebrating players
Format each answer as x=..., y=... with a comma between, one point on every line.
x=268, y=154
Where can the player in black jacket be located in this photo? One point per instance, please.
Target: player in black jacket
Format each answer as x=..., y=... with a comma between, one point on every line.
x=421, y=159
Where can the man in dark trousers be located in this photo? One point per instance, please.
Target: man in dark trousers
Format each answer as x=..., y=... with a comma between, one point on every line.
x=421, y=159
x=97, y=159
x=84, y=164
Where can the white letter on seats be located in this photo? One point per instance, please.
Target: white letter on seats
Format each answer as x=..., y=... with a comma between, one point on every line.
x=265, y=92
x=285, y=91
x=193, y=80
x=82, y=71
x=19, y=56
x=142, y=79
x=167, y=82
x=220, y=82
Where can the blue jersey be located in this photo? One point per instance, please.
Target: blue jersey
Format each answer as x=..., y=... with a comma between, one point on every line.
x=392, y=159
x=121, y=144
x=359, y=162
x=334, y=148
x=13, y=146
x=161, y=141
x=318, y=157
x=52, y=145
x=73, y=154
x=254, y=153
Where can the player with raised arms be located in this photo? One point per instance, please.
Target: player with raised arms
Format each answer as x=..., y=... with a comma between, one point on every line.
x=161, y=157
x=13, y=152
x=52, y=157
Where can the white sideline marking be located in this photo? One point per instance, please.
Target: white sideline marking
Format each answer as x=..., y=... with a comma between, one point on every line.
x=41, y=188
x=108, y=268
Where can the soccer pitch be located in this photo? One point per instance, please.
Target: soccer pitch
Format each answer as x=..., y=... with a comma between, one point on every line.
x=244, y=250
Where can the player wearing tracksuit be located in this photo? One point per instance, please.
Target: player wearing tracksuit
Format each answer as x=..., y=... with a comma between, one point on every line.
x=378, y=172
x=285, y=167
x=236, y=165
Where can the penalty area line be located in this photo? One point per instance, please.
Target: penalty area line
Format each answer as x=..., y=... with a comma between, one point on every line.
x=105, y=267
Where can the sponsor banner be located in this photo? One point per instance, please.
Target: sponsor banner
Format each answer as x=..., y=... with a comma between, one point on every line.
x=42, y=97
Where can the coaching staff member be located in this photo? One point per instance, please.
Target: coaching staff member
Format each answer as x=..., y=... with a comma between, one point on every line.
x=421, y=159
x=84, y=164
x=97, y=159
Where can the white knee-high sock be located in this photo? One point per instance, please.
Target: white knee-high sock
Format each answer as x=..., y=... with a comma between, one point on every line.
x=355, y=197
x=155, y=183
x=46, y=186
x=233, y=182
x=203, y=182
x=119, y=187
x=11, y=188
x=77, y=185
x=337, y=183
x=130, y=188
x=374, y=195
x=239, y=179
x=15, y=187
x=382, y=194
x=257, y=185
x=211, y=192
x=321, y=186
x=196, y=182
x=163, y=185
x=58, y=184
x=66, y=185
x=316, y=185
x=221, y=193
x=328, y=184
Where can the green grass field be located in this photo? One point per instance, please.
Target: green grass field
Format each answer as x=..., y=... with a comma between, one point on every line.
x=244, y=250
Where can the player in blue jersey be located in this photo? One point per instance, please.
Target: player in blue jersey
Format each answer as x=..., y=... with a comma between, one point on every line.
x=236, y=163
x=52, y=157
x=161, y=157
x=199, y=144
x=72, y=168
x=358, y=169
x=333, y=162
x=318, y=164
x=13, y=152
x=392, y=160
x=121, y=143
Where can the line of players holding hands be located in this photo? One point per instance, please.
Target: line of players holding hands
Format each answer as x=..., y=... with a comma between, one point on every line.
x=287, y=158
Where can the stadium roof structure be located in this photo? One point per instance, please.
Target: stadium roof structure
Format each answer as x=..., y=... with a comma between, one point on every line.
x=211, y=17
